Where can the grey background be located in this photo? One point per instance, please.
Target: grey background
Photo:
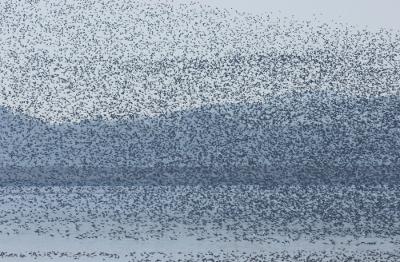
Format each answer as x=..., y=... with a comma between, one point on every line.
x=373, y=14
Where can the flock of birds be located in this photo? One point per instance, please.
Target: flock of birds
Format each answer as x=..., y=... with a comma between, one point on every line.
x=204, y=257
x=285, y=224
x=223, y=213
x=164, y=84
x=142, y=120
x=299, y=138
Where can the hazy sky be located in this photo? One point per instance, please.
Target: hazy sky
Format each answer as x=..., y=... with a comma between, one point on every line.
x=371, y=13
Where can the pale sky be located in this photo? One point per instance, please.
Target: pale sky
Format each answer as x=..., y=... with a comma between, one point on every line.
x=373, y=14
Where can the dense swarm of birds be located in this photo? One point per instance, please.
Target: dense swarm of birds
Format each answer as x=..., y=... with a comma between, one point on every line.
x=287, y=223
x=206, y=212
x=206, y=256
x=135, y=84
x=193, y=121
x=371, y=256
